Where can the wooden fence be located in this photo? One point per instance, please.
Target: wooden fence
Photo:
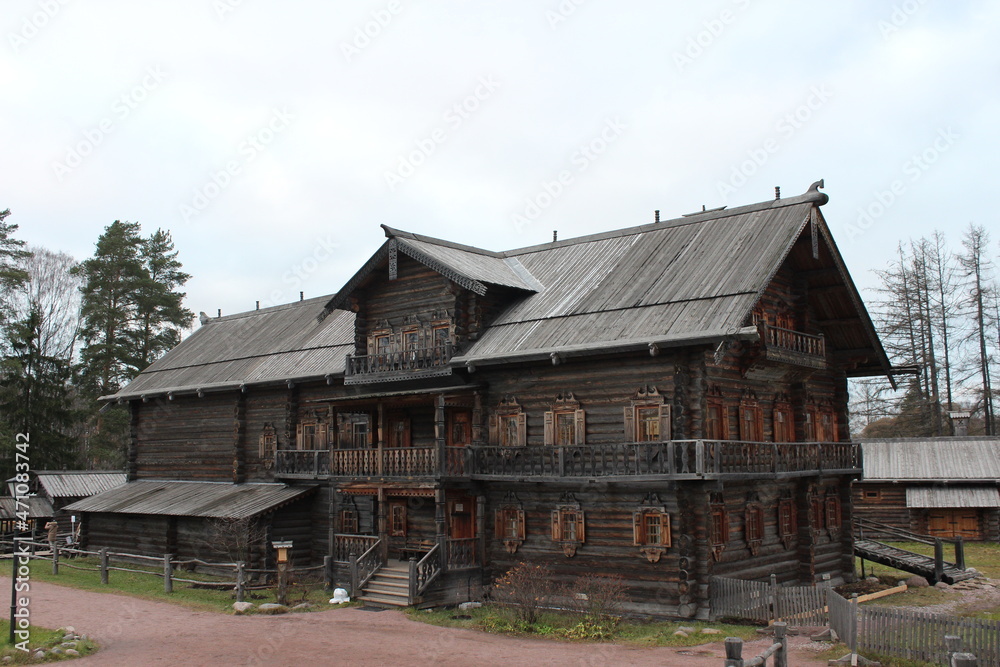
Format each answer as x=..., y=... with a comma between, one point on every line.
x=763, y=602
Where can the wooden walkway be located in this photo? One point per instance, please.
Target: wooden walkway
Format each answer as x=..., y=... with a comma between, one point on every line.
x=908, y=561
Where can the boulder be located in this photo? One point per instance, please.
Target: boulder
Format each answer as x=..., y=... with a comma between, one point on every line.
x=302, y=606
x=272, y=608
x=916, y=581
x=242, y=607
x=686, y=628
x=680, y=633
x=72, y=652
x=466, y=606
x=39, y=655
x=710, y=631
x=941, y=586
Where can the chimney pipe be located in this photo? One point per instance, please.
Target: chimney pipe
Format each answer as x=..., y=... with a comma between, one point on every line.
x=656, y=215
x=302, y=295
x=220, y=312
x=777, y=192
x=258, y=305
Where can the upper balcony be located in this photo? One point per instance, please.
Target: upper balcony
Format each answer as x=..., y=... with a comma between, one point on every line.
x=671, y=460
x=409, y=364
x=792, y=347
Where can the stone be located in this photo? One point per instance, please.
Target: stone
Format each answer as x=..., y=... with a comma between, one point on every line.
x=710, y=631
x=941, y=586
x=272, y=608
x=56, y=651
x=242, y=607
x=68, y=644
x=39, y=655
x=72, y=652
x=686, y=628
x=680, y=633
x=466, y=606
x=916, y=581
x=302, y=605
x=69, y=630
x=6, y=659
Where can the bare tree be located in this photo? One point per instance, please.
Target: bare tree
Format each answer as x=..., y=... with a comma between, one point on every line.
x=53, y=293
x=977, y=271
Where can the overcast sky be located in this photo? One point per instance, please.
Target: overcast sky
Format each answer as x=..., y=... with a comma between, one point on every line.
x=271, y=139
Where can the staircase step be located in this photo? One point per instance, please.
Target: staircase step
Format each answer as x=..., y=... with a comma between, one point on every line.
x=392, y=575
x=387, y=592
x=388, y=585
x=390, y=601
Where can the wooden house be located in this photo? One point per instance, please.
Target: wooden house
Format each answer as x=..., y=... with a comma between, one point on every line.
x=945, y=487
x=666, y=402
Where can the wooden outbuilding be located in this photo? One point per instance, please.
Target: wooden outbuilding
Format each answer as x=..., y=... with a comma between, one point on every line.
x=665, y=402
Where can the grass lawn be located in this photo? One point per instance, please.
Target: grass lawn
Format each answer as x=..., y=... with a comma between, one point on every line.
x=40, y=638
x=566, y=626
x=150, y=586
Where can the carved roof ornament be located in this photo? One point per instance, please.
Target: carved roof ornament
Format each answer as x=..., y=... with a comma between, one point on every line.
x=647, y=393
x=509, y=402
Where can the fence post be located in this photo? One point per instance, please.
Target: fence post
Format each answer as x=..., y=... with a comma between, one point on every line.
x=355, y=579
x=411, y=589
x=960, y=553
x=853, y=640
x=168, y=574
x=938, y=559
x=781, y=637
x=328, y=572
x=104, y=565
x=240, y=581
x=55, y=559
x=774, y=597
x=734, y=652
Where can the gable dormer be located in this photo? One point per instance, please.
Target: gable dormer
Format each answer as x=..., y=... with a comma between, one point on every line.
x=418, y=300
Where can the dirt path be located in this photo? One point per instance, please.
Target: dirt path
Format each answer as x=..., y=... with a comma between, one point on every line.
x=140, y=632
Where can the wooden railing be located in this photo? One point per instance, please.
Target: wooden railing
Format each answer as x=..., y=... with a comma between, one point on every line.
x=414, y=359
x=462, y=553
x=792, y=341
x=364, y=567
x=674, y=458
x=424, y=572
x=345, y=545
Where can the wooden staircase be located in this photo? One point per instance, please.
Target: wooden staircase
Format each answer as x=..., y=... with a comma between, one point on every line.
x=390, y=586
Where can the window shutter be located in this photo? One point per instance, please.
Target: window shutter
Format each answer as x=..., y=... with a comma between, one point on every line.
x=637, y=537
x=580, y=537
x=556, y=527
x=322, y=441
x=580, y=426
x=520, y=525
x=494, y=429
x=298, y=436
x=371, y=345
x=344, y=434
x=665, y=539
x=522, y=430
x=629, y=419
x=549, y=430
x=498, y=524
x=665, y=425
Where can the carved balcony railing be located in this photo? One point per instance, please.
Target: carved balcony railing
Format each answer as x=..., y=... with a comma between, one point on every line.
x=344, y=545
x=680, y=459
x=793, y=347
x=400, y=365
x=461, y=553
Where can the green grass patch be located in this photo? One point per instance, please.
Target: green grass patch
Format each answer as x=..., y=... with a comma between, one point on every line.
x=150, y=586
x=40, y=638
x=567, y=626
x=916, y=597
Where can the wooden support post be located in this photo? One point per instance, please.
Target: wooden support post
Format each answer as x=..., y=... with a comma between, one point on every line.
x=328, y=572
x=960, y=553
x=104, y=565
x=355, y=579
x=240, y=581
x=380, y=461
x=411, y=589
x=734, y=652
x=55, y=559
x=168, y=574
x=440, y=438
x=938, y=560
x=774, y=597
x=781, y=637
x=441, y=522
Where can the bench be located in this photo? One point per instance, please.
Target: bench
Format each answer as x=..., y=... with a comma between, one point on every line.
x=416, y=548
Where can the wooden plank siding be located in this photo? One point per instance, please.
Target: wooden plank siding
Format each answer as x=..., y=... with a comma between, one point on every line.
x=188, y=438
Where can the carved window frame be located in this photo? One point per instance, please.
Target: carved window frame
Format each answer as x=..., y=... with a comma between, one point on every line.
x=647, y=399
x=833, y=514
x=354, y=430
x=568, y=526
x=349, y=521
x=397, y=518
x=817, y=512
x=753, y=525
x=565, y=408
x=788, y=521
x=509, y=523
x=718, y=525
x=267, y=443
x=508, y=424
x=751, y=419
x=650, y=513
x=312, y=433
x=717, y=402
x=782, y=414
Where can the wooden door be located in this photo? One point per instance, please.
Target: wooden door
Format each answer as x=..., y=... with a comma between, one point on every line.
x=461, y=517
x=459, y=428
x=951, y=523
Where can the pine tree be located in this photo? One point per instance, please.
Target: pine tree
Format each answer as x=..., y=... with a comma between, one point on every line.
x=12, y=257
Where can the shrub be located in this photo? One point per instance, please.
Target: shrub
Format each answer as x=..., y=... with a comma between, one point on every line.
x=599, y=598
x=524, y=589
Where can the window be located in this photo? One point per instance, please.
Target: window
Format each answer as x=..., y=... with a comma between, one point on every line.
x=872, y=494
x=751, y=422
x=509, y=425
x=398, y=431
x=833, y=515
x=349, y=521
x=816, y=513
x=397, y=519
x=651, y=527
x=565, y=424
x=784, y=423
x=716, y=419
x=568, y=528
x=311, y=436
x=441, y=335
x=383, y=343
x=753, y=529
x=718, y=527
x=353, y=430
x=266, y=443
x=788, y=523
x=509, y=523
x=647, y=417
x=459, y=428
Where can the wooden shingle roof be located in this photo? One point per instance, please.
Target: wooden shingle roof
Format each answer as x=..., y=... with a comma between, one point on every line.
x=972, y=458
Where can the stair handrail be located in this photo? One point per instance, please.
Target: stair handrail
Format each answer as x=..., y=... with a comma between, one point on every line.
x=862, y=523
x=424, y=572
x=366, y=565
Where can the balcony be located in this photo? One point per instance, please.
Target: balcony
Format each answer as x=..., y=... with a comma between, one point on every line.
x=417, y=362
x=674, y=460
x=793, y=347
